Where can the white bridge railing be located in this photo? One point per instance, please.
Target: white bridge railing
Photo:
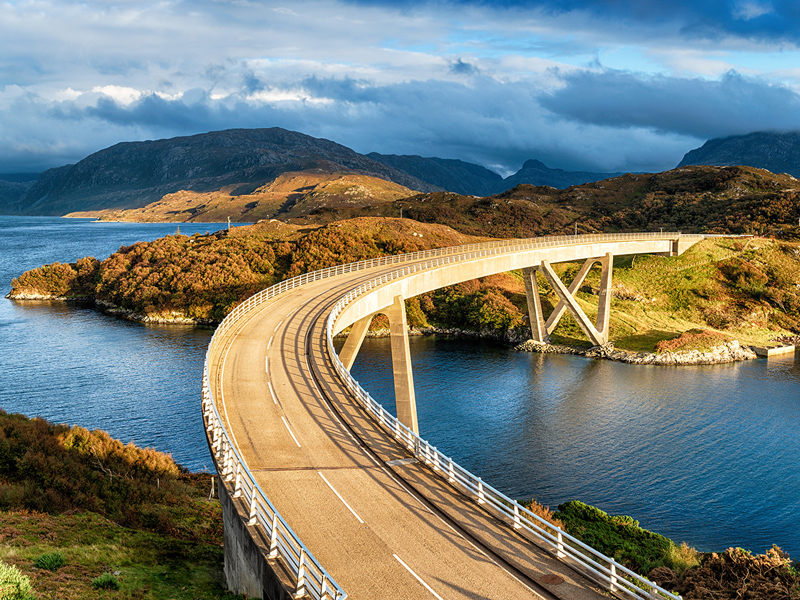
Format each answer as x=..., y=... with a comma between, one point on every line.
x=310, y=578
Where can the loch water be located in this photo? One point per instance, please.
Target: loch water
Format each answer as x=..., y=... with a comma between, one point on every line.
x=706, y=454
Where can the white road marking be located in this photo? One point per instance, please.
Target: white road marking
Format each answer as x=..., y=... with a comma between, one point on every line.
x=278, y=325
x=350, y=508
x=270, y=342
x=418, y=578
x=290, y=432
x=272, y=392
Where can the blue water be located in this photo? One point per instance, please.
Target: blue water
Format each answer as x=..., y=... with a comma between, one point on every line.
x=705, y=455
x=71, y=364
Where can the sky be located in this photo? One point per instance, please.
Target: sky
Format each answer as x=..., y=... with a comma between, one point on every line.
x=598, y=85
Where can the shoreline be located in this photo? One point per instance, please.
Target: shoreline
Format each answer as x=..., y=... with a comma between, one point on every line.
x=729, y=352
x=519, y=337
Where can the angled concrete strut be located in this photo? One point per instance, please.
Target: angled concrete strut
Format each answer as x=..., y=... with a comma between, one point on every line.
x=597, y=332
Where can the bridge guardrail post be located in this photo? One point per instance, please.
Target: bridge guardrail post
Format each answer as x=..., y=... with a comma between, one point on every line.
x=300, y=589
x=273, y=537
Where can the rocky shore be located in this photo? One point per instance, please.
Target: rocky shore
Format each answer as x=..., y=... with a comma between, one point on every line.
x=173, y=318
x=724, y=353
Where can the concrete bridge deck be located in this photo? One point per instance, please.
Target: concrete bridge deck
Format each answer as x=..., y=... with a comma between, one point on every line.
x=379, y=521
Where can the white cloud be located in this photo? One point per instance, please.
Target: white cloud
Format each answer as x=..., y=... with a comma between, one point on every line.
x=747, y=11
x=120, y=94
x=456, y=81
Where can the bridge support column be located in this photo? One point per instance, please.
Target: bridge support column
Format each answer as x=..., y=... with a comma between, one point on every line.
x=404, y=398
x=354, y=340
x=597, y=333
x=538, y=332
x=604, y=296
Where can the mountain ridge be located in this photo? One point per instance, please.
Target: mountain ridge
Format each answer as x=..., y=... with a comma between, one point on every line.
x=132, y=175
x=778, y=152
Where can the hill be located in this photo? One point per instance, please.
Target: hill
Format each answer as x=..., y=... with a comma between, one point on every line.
x=694, y=199
x=776, y=152
x=11, y=191
x=290, y=195
x=452, y=175
x=236, y=162
x=535, y=172
x=76, y=505
x=134, y=174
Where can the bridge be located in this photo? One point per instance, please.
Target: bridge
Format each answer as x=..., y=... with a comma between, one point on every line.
x=326, y=494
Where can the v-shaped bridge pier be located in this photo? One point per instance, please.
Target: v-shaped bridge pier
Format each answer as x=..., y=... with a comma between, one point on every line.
x=531, y=262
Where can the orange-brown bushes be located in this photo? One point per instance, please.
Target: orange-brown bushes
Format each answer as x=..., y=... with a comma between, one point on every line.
x=55, y=468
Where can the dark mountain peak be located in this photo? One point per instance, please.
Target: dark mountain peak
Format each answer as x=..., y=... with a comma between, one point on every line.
x=533, y=163
x=774, y=151
x=535, y=172
x=446, y=173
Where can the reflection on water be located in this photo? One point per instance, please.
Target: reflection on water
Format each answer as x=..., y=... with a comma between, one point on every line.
x=703, y=454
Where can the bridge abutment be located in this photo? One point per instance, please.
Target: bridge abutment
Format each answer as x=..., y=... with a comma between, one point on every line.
x=248, y=570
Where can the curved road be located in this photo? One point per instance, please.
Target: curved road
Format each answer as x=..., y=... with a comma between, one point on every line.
x=365, y=520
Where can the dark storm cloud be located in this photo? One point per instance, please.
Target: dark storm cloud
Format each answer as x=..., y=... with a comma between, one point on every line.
x=460, y=67
x=694, y=107
x=758, y=20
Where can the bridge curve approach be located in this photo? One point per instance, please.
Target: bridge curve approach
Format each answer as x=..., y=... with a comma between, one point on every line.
x=326, y=494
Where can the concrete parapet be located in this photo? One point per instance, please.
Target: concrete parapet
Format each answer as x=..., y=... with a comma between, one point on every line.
x=248, y=571
x=774, y=351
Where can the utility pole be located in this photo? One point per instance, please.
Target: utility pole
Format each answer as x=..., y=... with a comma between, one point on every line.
x=229, y=222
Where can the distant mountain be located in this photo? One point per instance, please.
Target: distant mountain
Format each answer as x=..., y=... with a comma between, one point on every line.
x=776, y=152
x=473, y=180
x=449, y=174
x=11, y=191
x=535, y=172
x=134, y=174
x=237, y=162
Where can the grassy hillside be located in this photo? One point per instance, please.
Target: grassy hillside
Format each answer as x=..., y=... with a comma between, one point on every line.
x=290, y=195
x=77, y=505
x=204, y=276
x=744, y=289
x=696, y=199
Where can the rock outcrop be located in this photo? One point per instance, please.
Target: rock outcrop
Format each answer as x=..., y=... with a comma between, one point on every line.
x=724, y=353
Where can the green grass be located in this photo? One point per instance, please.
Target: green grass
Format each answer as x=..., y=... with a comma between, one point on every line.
x=150, y=565
x=52, y=561
x=744, y=290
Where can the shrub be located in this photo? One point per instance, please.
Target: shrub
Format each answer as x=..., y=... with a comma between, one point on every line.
x=621, y=537
x=13, y=584
x=52, y=561
x=106, y=581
